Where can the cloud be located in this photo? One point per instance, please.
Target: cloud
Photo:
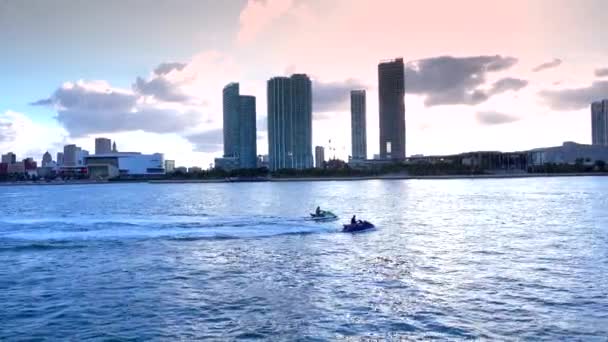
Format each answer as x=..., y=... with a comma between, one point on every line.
x=494, y=118
x=21, y=135
x=258, y=15
x=7, y=131
x=548, y=65
x=94, y=107
x=507, y=84
x=447, y=80
x=208, y=141
x=167, y=101
x=601, y=72
x=575, y=98
x=333, y=96
x=160, y=88
x=165, y=68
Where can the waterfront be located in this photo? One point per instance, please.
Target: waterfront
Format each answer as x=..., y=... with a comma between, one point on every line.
x=485, y=258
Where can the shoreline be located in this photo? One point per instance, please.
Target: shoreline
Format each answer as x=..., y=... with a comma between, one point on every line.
x=440, y=177
x=314, y=179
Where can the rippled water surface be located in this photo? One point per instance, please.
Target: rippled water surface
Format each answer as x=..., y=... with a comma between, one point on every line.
x=451, y=259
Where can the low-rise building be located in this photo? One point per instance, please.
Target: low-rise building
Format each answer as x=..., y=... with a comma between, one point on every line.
x=16, y=168
x=568, y=153
x=227, y=163
x=181, y=169
x=124, y=163
x=263, y=161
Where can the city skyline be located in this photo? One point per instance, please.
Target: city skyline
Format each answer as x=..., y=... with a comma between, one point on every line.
x=486, y=79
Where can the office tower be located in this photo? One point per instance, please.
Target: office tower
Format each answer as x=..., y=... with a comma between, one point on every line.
x=247, y=133
x=231, y=103
x=47, y=159
x=391, y=90
x=103, y=146
x=60, y=158
x=169, y=166
x=71, y=155
x=357, y=124
x=599, y=123
x=290, y=122
x=9, y=158
x=319, y=157
x=114, y=149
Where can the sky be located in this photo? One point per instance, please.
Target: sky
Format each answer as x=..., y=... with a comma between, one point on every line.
x=480, y=75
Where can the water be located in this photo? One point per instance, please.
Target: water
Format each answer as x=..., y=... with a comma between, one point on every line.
x=451, y=259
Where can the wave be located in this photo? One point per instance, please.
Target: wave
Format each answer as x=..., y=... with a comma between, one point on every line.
x=184, y=228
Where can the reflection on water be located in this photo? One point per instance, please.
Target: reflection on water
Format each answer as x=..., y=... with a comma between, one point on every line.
x=451, y=259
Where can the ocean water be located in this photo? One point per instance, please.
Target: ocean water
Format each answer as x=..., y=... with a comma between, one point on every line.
x=495, y=259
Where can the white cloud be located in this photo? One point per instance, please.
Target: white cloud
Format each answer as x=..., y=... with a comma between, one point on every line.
x=26, y=138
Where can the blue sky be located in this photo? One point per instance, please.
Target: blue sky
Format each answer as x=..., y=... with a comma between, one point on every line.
x=80, y=62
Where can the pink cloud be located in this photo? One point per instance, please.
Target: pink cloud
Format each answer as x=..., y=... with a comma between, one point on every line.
x=258, y=15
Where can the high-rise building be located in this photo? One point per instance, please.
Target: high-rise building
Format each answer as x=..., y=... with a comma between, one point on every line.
x=247, y=132
x=60, y=158
x=290, y=122
x=599, y=123
x=391, y=90
x=231, y=104
x=73, y=156
x=114, y=149
x=357, y=124
x=9, y=158
x=47, y=159
x=239, y=130
x=70, y=155
x=319, y=157
x=169, y=166
x=103, y=146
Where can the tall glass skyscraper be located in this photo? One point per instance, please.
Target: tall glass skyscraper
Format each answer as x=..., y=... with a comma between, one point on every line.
x=290, y=122
x=239, y=127
x=248, y=135
x=357, y=124
x=391, y=90
x=231, y=103
x=599, y=123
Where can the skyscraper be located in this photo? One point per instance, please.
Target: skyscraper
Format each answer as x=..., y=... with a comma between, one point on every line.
x=247, y=132
x=391, y=90
x=290, y=122
x=240, y=135
x=231, y=103
x=60, y=158
x=103, y=146
x=357, y=124
x=599, y=123
x=319, y=157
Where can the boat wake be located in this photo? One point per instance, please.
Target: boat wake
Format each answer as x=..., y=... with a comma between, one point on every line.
x=184, y=228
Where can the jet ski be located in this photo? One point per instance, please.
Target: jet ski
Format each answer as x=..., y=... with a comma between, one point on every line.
x=323, y=216
x=357, y=227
